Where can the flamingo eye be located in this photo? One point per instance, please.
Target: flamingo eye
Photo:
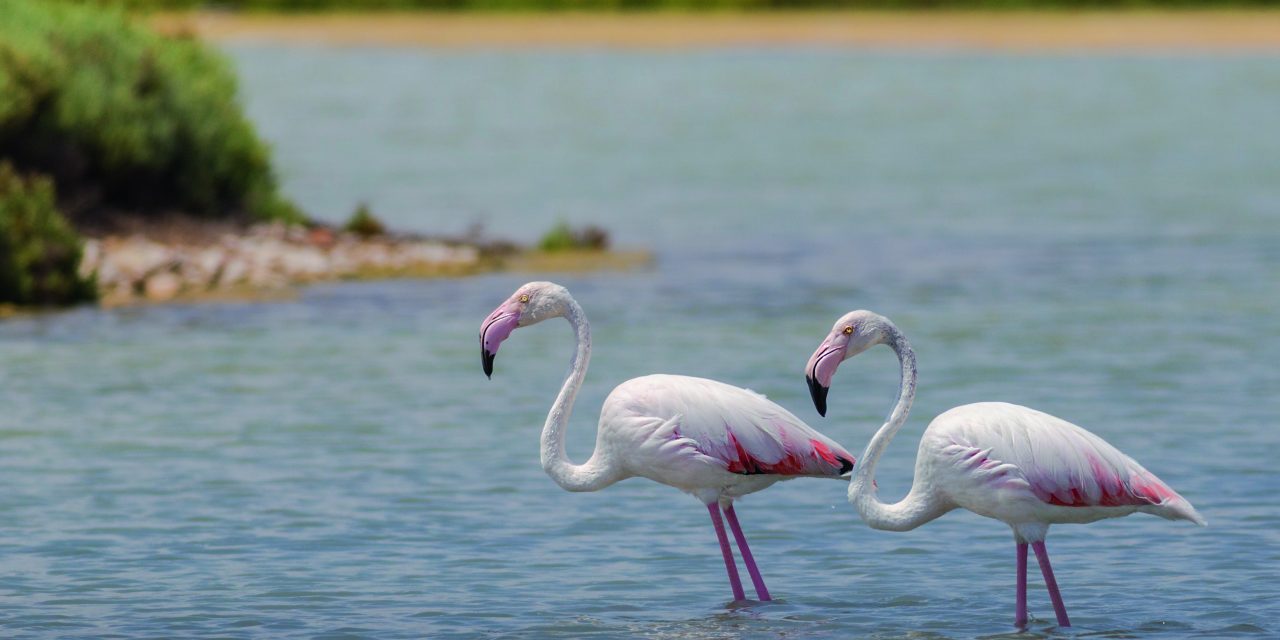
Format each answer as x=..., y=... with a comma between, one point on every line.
x=848, y=331
x=524, y=297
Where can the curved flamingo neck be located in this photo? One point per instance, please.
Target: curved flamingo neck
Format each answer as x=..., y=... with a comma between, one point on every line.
x=594, y=474
x=919, y=506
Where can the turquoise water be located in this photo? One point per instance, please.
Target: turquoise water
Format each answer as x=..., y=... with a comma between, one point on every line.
x=1094, y=236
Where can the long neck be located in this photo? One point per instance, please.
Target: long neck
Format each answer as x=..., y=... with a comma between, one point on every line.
x=919, y=506
x=594, y=474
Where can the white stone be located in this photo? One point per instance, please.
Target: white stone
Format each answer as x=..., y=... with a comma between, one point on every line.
x=305, y=262
x=234, y=271
x=162, y=286
x=209, y=259
x=136, y=257
x=89, y=258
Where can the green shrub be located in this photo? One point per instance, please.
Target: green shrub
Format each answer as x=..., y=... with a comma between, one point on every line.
x=689, y=5
x=39, y=251
x=144, y=5
x=125, y=119
x=562, y=237
x=363, y=223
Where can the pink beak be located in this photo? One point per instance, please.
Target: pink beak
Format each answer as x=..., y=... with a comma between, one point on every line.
x=819, y=371
x=496, y=328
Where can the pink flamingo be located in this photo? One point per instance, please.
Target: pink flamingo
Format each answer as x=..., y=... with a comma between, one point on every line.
x=706, y=438
x=1003, y=461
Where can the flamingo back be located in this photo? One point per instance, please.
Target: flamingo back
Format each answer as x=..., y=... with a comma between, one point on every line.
x=736, y=429
x=1057, y=462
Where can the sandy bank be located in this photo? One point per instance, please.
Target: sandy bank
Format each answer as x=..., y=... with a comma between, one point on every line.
x=1218, y=31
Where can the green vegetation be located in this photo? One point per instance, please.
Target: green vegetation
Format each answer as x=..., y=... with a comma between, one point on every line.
x=39, y=251
x=364, y=224
x=125, y=119
x=562, y=237
x=124, y=122
x=683, y=5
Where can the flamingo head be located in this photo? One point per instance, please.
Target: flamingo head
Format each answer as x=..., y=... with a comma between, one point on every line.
x=852, y=334
x=530, y=304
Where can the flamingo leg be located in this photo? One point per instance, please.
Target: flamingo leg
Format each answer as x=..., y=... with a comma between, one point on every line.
x=1020, y=616
x=747, y=559
x=734, y=581
x=1042, y=555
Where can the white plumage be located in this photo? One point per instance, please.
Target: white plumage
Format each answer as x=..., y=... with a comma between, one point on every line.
x=1016, y=464
x=690, y=432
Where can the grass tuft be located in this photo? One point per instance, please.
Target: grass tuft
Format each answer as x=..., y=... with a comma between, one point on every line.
x=562, y=237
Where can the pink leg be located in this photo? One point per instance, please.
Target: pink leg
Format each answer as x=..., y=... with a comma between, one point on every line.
x=1058, y=608
x=732, y=517
x=1020, y=617
x=734, y=581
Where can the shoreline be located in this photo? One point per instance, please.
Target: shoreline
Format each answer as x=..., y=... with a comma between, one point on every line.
x=273, y=261
x=1211, y=31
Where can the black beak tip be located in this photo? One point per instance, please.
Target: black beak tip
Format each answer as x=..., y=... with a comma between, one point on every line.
x=486, y=359
x=819, y=395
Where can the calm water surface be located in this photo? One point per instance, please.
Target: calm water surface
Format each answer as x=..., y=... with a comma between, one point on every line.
x=1097, y=237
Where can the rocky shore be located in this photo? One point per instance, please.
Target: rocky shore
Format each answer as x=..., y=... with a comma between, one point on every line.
x=157, y=264
x=261, y=260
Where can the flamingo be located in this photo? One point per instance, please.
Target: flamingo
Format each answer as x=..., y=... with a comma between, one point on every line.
x=1023, y=467
x=714, y=441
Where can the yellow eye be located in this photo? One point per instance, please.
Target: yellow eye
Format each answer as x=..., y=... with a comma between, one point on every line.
x=524, y=297
x=848, y=331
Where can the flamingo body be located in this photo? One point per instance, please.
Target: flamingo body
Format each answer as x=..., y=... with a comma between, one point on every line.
x=1023, y=466
x=711, y=439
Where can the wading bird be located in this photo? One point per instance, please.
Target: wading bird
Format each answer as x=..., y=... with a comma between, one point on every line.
x=706, y=438
x=1025, y=468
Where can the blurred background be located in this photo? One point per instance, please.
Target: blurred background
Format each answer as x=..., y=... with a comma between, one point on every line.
x=1076, y=210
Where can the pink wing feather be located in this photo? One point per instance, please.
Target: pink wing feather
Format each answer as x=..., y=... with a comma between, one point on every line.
x=738, y=428
x=1058, y=462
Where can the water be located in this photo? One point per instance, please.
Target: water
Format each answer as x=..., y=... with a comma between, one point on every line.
x=1093, y=236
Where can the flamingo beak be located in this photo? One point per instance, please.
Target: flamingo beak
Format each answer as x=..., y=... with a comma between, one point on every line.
x=486, y=361
x=496, y=328
x=818, y=373
x=819, y=395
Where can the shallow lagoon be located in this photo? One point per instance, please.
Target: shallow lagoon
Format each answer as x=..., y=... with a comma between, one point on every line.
x=1097, y=237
